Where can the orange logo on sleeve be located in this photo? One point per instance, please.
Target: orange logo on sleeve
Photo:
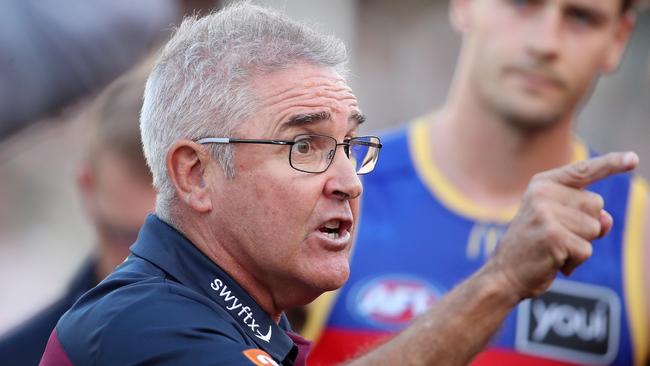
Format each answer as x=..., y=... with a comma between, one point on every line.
x=259, y=357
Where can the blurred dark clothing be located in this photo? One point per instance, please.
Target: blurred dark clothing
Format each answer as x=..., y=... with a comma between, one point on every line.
x=24, y=345
x=54, y=51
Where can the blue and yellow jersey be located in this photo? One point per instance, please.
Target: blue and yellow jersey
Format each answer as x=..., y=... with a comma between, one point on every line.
x=419, y=237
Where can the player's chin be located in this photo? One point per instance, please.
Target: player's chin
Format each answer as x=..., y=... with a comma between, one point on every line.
x=330, y=274
x=533, y=116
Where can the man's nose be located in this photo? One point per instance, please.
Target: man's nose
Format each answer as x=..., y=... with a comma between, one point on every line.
x=343, y=182
x=545, y=33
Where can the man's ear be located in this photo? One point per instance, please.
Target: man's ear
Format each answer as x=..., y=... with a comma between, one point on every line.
x=87, y=186
x=187, y=166
x=460, y=14
x=617, y=47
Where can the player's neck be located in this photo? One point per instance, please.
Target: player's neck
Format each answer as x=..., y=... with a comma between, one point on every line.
x=490, y=161
x=216, y=244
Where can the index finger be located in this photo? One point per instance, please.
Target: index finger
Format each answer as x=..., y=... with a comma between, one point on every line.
x=585, y=172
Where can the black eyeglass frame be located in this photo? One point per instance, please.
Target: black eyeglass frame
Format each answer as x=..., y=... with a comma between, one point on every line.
x=346, y=142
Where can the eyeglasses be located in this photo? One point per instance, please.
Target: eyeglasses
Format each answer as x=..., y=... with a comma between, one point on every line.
x=314, y=153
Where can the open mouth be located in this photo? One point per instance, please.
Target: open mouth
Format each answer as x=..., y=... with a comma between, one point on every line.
x=336, y=229
x=332, y=229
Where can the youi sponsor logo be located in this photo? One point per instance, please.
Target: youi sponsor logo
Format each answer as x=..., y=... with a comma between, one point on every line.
x=392, y=301
x=243, y=312
x=568, y=321
x=572, y=321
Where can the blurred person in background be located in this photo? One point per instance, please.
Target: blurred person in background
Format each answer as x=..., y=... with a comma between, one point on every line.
x=117, y=193
x=450, y=183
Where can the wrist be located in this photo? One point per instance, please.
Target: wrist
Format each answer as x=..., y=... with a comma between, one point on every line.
x=495, y=284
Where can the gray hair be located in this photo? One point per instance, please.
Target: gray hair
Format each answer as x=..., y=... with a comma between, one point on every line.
x=201, y=83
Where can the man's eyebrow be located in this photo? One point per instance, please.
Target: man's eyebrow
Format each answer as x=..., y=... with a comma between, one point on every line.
x=306, y=118
x=359, y=117
x=310, y=118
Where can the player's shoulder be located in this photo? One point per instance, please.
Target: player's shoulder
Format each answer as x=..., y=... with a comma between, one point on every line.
x=162, y=310
x=140, y=311
x=139, y=290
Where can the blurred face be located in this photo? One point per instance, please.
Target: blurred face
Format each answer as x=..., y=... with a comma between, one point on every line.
x=292, y=229
x=532, y=61
x=118, y=201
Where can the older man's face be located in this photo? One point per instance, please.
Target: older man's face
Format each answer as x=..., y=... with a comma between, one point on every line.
x=293, y=229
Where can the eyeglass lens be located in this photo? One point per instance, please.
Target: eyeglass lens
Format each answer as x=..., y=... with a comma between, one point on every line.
x=314, y=153
x=364, y=154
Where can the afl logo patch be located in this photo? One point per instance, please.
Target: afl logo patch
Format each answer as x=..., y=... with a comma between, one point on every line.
x=392, y=301
x=572, y=321
x=259, y=357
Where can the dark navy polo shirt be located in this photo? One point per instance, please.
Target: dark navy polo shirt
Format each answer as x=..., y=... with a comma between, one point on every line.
x=169, y=304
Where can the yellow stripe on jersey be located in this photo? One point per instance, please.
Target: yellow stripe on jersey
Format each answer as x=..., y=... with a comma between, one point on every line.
x=441, y=188
x=633, y=267
x=580, y=151
x=317, y=313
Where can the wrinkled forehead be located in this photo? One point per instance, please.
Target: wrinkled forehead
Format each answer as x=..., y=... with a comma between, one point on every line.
x=305, y=93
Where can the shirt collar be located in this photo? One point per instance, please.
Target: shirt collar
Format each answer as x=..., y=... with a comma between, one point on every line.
x=170, y=250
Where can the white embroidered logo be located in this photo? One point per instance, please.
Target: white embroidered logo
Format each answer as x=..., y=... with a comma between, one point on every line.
x=244, y=313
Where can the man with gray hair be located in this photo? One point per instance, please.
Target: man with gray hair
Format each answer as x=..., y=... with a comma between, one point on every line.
x=242, y=121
